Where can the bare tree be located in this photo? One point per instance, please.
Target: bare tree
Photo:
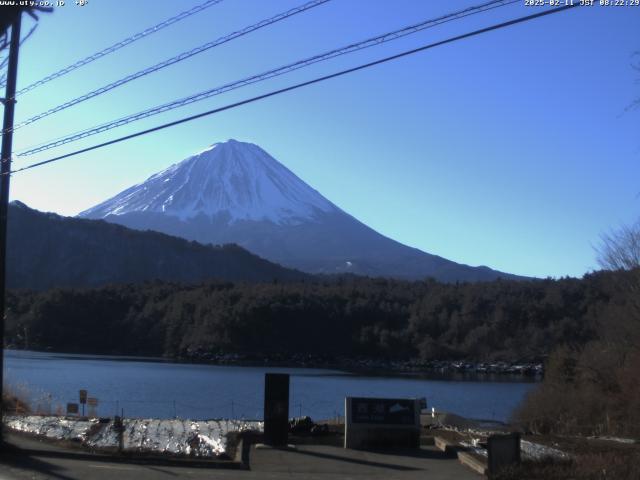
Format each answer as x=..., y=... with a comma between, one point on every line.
x=620, y=249
x=9, y=13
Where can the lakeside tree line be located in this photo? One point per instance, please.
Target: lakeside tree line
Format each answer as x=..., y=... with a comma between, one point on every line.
x=391, y=319
x=592, y=388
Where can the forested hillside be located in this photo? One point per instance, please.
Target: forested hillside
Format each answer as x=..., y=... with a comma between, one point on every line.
x=509, y=320
x=49, y=250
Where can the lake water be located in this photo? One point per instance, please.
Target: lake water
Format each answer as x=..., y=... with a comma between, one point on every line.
x=147, y=388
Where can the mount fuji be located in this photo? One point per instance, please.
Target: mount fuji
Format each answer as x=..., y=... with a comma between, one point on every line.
x=235, y=192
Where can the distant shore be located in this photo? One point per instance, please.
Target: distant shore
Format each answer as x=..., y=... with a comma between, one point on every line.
x=369, y=365
x=356, y=365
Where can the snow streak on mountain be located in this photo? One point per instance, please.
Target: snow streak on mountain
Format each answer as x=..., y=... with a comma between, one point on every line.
x=238, y=180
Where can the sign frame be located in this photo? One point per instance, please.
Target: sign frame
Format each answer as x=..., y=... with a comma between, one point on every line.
x=382, y=422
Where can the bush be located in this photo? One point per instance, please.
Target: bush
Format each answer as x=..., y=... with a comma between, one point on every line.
x=14, y=402
x=593, y=389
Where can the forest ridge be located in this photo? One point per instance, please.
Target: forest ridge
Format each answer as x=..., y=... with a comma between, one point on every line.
x=393, y=319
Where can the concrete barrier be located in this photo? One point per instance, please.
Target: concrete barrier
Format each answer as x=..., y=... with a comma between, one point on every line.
x=474, y=463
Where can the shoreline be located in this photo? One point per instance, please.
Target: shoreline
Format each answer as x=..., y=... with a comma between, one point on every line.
x=439, y=369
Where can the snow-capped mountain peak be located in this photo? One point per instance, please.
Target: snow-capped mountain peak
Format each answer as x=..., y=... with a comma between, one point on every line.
x=233, y=180
x=235, y=192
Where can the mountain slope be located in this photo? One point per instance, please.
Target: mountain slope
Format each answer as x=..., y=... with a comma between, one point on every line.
x=235, y=192
x=47, y=250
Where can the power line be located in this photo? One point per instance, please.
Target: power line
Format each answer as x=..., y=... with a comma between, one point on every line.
x=121, y=44
x=300, y=85
x=370, y=42
x=178, y=58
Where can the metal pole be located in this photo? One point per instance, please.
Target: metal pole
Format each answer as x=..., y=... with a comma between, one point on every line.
x=5, y=156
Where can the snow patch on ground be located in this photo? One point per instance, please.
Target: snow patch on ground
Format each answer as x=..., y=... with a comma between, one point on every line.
x=50, y=427
x=535, y=451
x=528, y=450
x=628, y=441
x=207, y=438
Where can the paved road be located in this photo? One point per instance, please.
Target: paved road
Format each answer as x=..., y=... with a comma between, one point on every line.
x=309, y=462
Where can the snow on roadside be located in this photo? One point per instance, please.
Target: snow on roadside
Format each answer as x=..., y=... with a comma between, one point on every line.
x=628, y=441
x=206, y=438
x=50, y=427
x=536, y=451
x=528, y=450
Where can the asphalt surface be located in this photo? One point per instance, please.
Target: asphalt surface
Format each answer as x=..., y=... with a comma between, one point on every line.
x=26, y=458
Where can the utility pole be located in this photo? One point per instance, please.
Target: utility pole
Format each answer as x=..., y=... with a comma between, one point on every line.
x=7, y=140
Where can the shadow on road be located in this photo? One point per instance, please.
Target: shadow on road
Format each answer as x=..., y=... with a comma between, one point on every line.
x=358, y=461
x=422, y=453
x=14, y=457
x=12, y=454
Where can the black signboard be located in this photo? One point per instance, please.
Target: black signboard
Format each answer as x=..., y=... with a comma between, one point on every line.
x=72, y=408
x=276, y=409
x=383, y=411
x=83, y=397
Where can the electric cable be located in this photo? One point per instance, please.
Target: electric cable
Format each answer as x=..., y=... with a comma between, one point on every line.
x=173, y=60
x=302, y=84
x=122, y=43
x=370, y=42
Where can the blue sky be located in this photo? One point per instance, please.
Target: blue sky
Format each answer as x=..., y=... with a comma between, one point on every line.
x=512, y=149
